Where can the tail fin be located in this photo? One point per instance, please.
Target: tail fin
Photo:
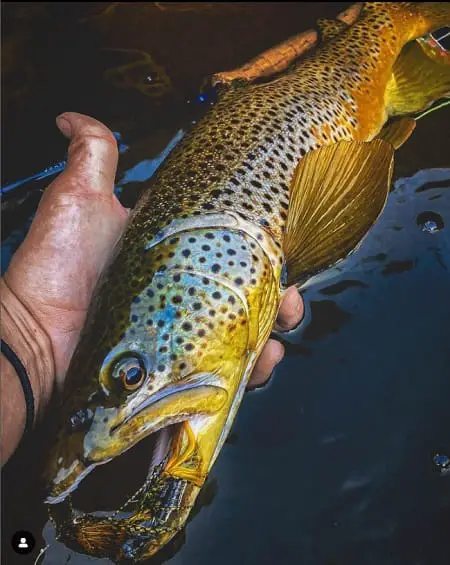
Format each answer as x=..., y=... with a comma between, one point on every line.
x=420, y=76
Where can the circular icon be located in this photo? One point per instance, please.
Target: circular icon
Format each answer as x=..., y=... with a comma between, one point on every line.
x=23, y=542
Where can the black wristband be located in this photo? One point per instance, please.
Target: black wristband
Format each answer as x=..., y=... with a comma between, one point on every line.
x=25, y=382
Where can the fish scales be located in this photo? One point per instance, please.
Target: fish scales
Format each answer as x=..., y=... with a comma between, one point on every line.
x=181, y=315
x=242, y=155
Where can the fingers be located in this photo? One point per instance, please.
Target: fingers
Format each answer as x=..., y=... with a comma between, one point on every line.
x=271, y=355
x=290, y=315
x=291, y=310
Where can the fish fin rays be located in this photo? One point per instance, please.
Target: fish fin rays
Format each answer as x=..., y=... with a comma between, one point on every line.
x=337, y=193
x=420, y=76
x=396, y=133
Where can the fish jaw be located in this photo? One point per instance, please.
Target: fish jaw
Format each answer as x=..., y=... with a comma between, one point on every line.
x=114, y=431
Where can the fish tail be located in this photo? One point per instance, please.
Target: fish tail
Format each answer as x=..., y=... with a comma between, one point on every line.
x=420, y=77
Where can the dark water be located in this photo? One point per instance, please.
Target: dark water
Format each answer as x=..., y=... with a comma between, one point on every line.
x=333, y=462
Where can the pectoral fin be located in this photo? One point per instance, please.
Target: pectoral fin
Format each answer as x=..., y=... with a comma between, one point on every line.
x=420, y=76
x=396, y=133
x=337, y=194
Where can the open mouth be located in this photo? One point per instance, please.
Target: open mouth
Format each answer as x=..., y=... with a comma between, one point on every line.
x=113, y=488
x=123, y=458
x=121, y=508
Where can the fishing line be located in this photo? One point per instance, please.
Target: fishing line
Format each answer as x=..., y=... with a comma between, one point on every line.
x=446, y=103
x=42, y=551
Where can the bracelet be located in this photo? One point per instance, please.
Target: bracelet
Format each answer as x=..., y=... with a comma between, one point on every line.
x=25, y=382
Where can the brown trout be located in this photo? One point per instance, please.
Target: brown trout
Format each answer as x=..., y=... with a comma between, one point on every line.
x=286, y=176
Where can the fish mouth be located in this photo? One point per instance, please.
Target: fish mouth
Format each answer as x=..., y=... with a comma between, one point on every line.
x=125, y=527
x=76, y=457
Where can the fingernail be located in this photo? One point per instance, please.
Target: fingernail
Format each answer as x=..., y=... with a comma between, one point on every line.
x=64, y=126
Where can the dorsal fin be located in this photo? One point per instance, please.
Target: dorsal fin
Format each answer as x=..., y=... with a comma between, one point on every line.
x=329, y=29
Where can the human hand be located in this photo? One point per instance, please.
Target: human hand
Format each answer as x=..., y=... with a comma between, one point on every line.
x=48, y=286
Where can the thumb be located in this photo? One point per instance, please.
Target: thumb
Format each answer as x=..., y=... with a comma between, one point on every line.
x=92, y=159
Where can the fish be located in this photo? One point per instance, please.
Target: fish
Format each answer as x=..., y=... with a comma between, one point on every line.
x=280, y=180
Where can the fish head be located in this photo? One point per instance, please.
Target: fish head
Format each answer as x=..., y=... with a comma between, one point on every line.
x=141, y=366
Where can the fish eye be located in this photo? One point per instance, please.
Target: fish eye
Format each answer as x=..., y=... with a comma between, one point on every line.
x=131, y=371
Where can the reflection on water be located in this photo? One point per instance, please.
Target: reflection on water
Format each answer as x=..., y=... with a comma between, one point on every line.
x=343, y=458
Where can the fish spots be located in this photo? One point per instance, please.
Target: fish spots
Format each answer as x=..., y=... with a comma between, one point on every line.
x=200, y=298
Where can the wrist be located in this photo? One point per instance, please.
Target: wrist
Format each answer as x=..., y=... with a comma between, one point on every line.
x=30, y=342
